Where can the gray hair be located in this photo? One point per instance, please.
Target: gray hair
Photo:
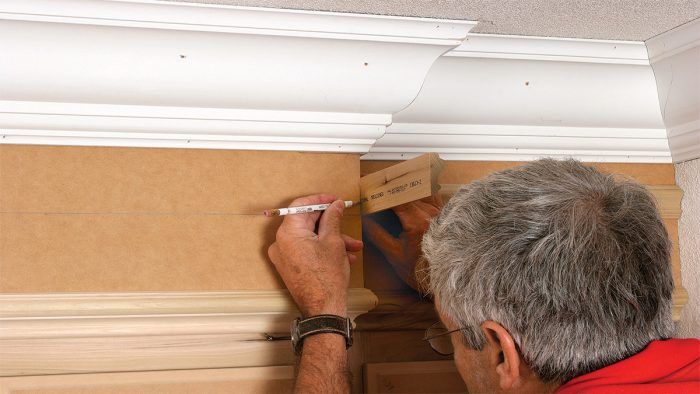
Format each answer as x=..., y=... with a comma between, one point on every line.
x=575, y=264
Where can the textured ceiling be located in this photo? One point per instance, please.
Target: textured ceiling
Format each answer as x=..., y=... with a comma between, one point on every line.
x=635, y=20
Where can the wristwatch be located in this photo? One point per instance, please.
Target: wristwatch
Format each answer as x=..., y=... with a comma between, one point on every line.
x=302, y=328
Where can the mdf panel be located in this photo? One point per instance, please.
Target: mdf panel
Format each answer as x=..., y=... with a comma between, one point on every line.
x=66, y=179
x=140, y=252
x=132, y=219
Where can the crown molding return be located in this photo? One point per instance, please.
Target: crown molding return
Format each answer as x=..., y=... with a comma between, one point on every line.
x=149, y=73
x=98, y=332
x=675, y=58
x=521, y=98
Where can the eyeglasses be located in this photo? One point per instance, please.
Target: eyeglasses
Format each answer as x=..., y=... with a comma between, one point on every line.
x=438, y=338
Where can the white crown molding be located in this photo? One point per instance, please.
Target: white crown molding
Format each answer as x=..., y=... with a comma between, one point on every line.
x=94, y=332
x=675, y=58
x=674, y=41
x=187, y=127
x=162, y=74
x=497, y=46
x=520, y=98
x=518, y=143
x=149, y=73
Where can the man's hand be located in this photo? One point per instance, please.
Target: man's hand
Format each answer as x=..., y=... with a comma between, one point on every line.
x=315, y=266
x=403, y=252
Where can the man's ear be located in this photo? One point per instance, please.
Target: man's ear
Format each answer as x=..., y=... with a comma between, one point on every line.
x=502, y=355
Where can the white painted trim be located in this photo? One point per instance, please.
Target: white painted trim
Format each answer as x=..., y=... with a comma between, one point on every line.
x=684, y=141
x=212, y=128
x=522, y=98
x=518, y=143
x=551, y=49
x=674, y=41
x=675, y=58
x=163, y=74
x=269, y=79
x=99, y=332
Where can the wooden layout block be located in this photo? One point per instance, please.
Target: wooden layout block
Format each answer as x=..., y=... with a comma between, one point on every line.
x=404, y=182
x=413, y=377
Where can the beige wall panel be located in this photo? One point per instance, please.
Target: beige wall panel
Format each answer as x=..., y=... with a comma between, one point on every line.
x=120, y=219
x=262, y=380
x=61, y=252
x=100, y=179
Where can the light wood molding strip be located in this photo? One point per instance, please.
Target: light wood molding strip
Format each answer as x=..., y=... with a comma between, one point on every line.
x=245, y=380
x=99, y=332
x=252, y=302
x=63, y=315
x=680, y=298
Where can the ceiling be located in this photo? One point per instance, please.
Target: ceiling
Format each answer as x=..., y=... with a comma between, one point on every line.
x=635, y=20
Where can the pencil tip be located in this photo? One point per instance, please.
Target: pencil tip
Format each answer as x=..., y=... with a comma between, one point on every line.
x=271, y=212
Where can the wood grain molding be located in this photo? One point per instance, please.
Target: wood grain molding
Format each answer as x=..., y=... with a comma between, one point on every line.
x=99, y=332
x=253, y=380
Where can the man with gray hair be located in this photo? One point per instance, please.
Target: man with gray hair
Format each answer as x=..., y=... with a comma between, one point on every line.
x=547, y=277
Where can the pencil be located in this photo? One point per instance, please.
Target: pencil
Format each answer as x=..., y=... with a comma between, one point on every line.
x=301, y=209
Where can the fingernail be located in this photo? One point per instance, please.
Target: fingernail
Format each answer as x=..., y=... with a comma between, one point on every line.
x=340, y=206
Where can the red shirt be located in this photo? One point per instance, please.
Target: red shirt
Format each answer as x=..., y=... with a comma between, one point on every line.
x=668, y=366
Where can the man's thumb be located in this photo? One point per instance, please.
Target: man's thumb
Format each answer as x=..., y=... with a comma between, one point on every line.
x=330, y=220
